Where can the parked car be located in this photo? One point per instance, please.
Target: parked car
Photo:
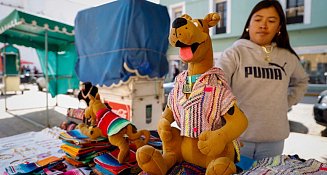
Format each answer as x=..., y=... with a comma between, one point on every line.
x=320, y=109
x=41, y=83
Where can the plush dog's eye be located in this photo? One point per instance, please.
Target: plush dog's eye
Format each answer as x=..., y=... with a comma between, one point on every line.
x=196, y=24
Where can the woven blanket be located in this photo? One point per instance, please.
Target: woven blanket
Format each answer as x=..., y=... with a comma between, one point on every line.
x=76, y=113
x=77, y=137
x=287, y=165
x=109, y=162
x=29, y=147
x=184, y=168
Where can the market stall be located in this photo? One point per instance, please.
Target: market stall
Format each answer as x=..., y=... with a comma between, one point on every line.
x=10, y=58
x=54, y=43
x=122, y=49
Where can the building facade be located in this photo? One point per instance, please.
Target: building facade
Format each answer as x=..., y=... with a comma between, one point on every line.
x=307, y=27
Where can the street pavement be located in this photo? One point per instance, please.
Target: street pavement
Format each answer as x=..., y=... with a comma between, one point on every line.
x=305, y=138
x=28, y=112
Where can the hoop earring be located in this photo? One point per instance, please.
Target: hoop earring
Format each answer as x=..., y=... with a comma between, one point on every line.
x=247, y=29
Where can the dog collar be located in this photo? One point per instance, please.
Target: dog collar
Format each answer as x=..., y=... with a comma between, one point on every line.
x=192, y=79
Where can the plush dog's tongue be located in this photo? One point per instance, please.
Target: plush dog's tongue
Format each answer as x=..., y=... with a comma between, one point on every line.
x=186, y=53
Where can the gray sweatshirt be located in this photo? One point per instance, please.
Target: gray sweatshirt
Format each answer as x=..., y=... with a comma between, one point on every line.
x=265, y=90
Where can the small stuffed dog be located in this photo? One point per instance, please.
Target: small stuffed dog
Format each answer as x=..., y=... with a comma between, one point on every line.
x=106, y=123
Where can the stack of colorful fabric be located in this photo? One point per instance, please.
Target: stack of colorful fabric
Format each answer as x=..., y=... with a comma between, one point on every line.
x=50, y=163
x=80, y=149
x=155, y=140
x=108, y=164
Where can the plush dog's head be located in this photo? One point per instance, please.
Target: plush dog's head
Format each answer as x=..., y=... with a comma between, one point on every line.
x=192, y=36
x=94, y=106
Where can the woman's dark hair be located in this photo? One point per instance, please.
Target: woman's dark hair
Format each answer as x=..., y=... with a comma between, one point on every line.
x=282, y=40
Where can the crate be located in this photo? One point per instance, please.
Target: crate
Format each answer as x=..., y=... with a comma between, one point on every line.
x=139, y=100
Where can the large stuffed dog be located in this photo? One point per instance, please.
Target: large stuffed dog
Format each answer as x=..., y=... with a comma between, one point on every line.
x=109, y=124
x=202, y=105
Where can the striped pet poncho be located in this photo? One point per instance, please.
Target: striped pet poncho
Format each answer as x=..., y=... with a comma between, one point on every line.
x=211, y=98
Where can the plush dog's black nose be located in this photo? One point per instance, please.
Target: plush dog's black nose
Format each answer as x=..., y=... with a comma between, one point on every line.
x=179, y=22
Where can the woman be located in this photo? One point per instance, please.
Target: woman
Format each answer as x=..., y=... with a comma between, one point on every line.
x=266, y=77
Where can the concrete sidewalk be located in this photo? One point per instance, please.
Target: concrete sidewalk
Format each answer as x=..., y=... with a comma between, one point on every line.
x=306, y=146
x=27, y=112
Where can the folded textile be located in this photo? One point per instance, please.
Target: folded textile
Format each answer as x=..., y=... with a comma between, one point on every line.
x=284, y=164
x=28, y=168
x=80, y=151
x=90, y=155
x=77, y=163
x=155, y=140
x=187, y=169
x=77, y=137
x=184, y=168
x=100, y=143
x=76, y=171
x=76, y=113
x=109, y=162
x=99, y=170
x=21, y=169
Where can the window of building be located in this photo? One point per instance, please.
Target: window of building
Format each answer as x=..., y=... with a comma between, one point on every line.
x=176, y=10
x=223, y=8
x=294, y=11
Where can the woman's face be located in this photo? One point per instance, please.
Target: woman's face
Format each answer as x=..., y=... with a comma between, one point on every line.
x=264, y=25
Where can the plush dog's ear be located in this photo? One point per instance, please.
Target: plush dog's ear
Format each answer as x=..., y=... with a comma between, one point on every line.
x=186, y=16
x=212, y=19
x=97, y=96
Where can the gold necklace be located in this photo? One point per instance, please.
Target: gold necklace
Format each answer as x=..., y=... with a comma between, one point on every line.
x=267, y=51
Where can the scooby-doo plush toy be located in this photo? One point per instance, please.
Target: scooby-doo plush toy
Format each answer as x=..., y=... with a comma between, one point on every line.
x=106, y=123
x=202, y=105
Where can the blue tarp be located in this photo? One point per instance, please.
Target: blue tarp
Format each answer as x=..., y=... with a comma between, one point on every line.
x=122, y=39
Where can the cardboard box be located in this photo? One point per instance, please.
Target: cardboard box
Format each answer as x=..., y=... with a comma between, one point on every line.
x=140, y=100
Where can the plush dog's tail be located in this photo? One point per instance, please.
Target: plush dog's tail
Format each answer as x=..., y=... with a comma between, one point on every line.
x=136, y=137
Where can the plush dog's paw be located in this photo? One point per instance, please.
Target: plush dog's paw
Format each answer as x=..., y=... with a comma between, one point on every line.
x=165, y=130
x=209, y=138
x=151, y=161
x=221, y=166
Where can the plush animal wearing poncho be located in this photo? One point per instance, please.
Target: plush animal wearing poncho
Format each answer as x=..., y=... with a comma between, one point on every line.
x=109, y=124
x=202, y=105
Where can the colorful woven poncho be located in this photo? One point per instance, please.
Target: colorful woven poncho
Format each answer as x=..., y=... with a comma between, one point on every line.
x=110, y=123
x=211, y=98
